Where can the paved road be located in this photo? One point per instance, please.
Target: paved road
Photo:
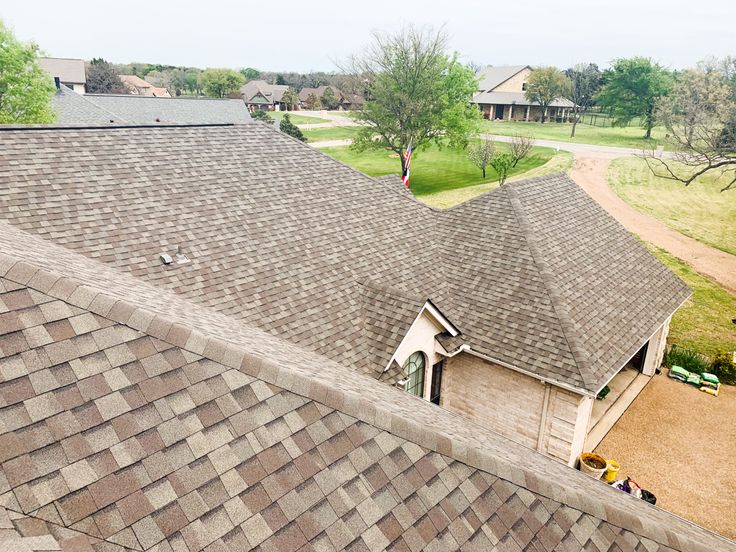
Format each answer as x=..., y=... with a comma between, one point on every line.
x=590, y=172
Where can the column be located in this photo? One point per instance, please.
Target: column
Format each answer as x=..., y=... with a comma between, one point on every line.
x=527, y=113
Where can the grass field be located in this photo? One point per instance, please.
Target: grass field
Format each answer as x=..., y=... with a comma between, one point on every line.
x=704, y=322
x=700, y=210
x=560, y=162
x=330, y=133
x=434, y=170
x=296, y=118
x=627, y=137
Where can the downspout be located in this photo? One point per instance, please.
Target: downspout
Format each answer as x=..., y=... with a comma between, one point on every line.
x=543, y=421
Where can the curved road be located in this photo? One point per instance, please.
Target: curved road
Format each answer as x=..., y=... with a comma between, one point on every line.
x=590, y=172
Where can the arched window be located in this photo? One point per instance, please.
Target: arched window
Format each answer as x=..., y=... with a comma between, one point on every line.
x=414, y=370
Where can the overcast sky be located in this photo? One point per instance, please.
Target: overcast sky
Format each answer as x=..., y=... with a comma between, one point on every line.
x=311, y=34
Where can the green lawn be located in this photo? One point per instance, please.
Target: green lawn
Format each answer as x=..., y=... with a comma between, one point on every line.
x=434, y=170
x=699, y=210
x=560, y=162
x=704, y=322
x=627, y=137
x=330, y=133
x=296, y=118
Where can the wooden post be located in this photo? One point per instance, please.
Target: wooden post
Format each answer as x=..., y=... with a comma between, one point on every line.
x=527, y=113
x=511, y=111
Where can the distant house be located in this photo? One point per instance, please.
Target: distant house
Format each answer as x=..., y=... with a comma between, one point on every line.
x=261, y=96
x=104, y=109
x=70, y=72
x=501, y=96
x=345, y=101
x=138, y=86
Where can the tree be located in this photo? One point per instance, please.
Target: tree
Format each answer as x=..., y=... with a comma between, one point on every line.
x=312, y=102
x=481, y=153
x=25, y=89
x=415, y=92
x=249, y=73
x=280, y=79
x=287, y=127
x=502, y=164
x=632, y=89
x=521, y=145
x=192, y=82
x=102, y=78
x=221, y=82
x=700, y=117
x=260, y=115
x=544, y=86
x=329, y=99
x=584, y=82
x=290, y=98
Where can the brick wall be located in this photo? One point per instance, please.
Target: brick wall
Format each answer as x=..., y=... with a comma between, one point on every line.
x=512, y=404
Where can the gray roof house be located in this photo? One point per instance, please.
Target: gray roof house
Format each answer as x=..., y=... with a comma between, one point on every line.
x=74, y=109
x=258, y=94
x=501, y=95
x=199, y=334
x=70, y=72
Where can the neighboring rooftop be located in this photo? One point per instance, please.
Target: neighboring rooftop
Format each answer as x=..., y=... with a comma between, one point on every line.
x=135, y=109
x=491, y=77
x=534, y=274
x=271, y=92
x=68, y=70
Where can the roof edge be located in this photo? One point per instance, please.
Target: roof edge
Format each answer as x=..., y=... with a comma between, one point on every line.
x=353, y=404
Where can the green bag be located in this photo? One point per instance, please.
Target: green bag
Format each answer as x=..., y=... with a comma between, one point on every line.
x=711, y=378
x=694, y=379
x=680, y=372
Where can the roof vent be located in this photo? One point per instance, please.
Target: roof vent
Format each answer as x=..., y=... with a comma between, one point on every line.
x=166, y=259
x=180, y=257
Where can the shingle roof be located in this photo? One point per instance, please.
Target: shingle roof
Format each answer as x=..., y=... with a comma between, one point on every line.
x=490, y=77
x=273, y=92
x=68, y=70
x=75, y=109
x=131, y=419
x=534, y=274
x=516, y=98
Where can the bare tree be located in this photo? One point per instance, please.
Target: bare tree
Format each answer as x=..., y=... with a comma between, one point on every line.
x=481, y=153
x=521, y=145
x=700, y=116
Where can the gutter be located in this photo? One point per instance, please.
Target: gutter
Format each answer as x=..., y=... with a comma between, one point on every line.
x=466, y=348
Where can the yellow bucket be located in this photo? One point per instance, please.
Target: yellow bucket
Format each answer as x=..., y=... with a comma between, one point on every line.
x=612, y=468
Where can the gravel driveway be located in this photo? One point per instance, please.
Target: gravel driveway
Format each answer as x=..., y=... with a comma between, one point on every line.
x=680, y=444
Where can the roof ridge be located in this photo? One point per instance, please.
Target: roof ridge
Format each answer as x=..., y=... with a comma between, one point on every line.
x=476, y=452
x=567, y=325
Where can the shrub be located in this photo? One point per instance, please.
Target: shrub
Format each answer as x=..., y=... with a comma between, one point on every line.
x=287, y=127
x=688, y=359
x=260, y=115
x=724, y=367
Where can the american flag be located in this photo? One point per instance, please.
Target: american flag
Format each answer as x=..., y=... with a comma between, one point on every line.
x=407, y=163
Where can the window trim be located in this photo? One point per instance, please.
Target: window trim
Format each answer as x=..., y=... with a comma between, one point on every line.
x=418, y=385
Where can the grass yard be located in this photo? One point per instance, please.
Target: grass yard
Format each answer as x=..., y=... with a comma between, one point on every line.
x=560, y=162
x=627, y=137
x=700, y=210
x=330, y=133
x=704, y=322
x=434, y=170
x=296, y=118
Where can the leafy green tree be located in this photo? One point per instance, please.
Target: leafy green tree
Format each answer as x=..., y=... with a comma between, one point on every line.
x=312, y=102
x=280, y=79
x=25, y=89
x=221, y=82
x=249, y=73
x=290, y=98
x=192, y=82
x=287, y=127
x=502, y=164
x=415, y=92
x=544, y=86
x=102, y=78
x=584, y=83
x=330, y=99
x=632, y=89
